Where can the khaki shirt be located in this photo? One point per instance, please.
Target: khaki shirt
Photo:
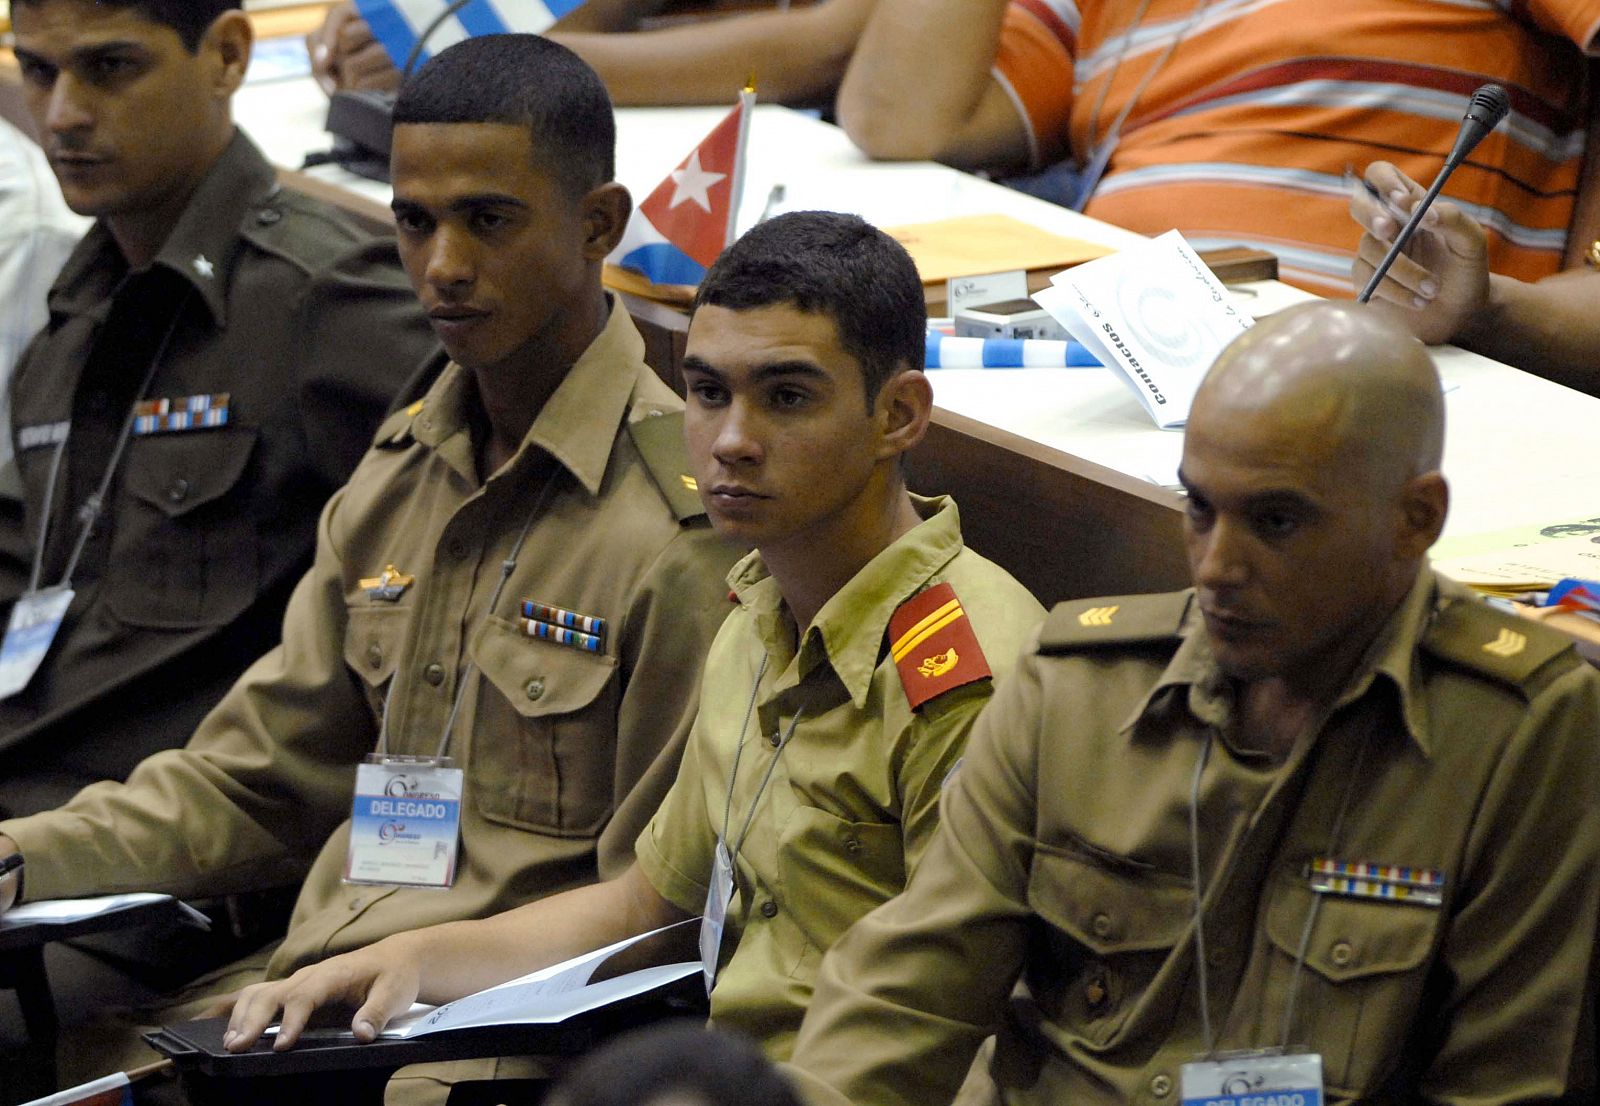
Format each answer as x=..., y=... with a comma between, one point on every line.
x=853, y=797
x=308, y=324
x=1465, y=743
x=561, y=747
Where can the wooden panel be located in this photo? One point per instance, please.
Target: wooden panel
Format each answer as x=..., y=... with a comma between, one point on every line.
x=1063, y=526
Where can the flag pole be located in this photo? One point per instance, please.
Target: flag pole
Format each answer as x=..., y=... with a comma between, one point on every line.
x=747, y=101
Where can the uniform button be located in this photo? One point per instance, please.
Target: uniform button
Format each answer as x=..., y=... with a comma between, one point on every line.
x=852, y=844
x=535, y=689
x=178, y=490
x=434, y=674
x=1161, y=1085
x=375, y=655
x=357, y=904
x=776, y=738
x=769, y=909
x=267, y=216
x=1342, y=954
x=1101, y=924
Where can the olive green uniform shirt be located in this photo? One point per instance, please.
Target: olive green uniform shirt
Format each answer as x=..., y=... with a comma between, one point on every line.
x=309, y=326
x=1465, y=742
x=853, y=796
x=560, y=745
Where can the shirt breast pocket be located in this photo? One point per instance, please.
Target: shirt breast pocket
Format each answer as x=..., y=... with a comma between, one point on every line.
x=834, y=871
x=1110, y=933
x=1365, y=970
x=544, y=747
x=373, y=638
x=183, y=552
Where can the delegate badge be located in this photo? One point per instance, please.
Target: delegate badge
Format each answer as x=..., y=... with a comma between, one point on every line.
x=405, y=824
x=35, y=621
x=1265, y=1078
x=715, y=915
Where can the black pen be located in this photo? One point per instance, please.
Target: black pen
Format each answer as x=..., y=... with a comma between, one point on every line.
x=10, y=864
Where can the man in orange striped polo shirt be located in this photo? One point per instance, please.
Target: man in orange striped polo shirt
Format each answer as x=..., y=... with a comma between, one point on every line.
x=1234, y=120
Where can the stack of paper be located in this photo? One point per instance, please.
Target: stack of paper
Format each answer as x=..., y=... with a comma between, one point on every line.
x=1525, y=568
x=549, y=995
x=1154, y=314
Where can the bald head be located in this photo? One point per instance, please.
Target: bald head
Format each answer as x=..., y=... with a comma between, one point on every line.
x=1340, y=373
x=1311, y=459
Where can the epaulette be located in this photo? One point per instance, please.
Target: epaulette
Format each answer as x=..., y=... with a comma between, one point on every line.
x=396, y=429
x=933, y=646
x=1493, y=643
x=1126, y=620
x=659, y=440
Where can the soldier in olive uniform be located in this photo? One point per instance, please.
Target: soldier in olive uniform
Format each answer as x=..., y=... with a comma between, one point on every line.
x=516, y=576
x=1326, y=801
x=838, y=694
x=256, y=335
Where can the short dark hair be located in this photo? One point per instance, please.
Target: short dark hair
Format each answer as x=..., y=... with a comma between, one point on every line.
x=678, y=1059
x=526, y=81
x=836, y=265
x=189, y=18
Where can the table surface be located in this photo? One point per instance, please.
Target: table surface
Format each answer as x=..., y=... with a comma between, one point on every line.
x=1519, y=450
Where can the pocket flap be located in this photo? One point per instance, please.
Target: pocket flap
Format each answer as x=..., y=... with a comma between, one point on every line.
x=176, y=473
x=1352, y=938
x=538, y=677
x=373, y=638
x=1107, y=910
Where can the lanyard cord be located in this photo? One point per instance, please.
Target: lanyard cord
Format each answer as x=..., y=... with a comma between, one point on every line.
x=92, y=507
x=507, y=567
x=1199, y=896
x=738, y=753
x=1114, y=132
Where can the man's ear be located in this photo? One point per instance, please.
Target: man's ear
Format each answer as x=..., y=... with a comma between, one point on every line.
x=903, y=408
x=605, y=212
x=226, y=45
x=1424, y=502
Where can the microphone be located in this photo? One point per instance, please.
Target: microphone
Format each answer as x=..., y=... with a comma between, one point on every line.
x=362, y=122
x=1488, y=106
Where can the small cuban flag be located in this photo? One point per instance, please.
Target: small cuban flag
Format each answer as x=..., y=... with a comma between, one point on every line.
x=397, y=24
x=681, y=227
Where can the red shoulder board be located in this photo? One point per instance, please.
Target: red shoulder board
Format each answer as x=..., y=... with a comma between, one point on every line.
x=933, y=645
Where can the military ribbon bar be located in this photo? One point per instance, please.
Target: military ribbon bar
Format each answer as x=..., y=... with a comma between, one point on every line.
x=564, y=627
x=164, y=416
x=1358, y=880
x=561, y=635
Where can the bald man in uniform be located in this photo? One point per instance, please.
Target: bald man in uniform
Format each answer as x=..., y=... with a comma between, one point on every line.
x=1375, y=795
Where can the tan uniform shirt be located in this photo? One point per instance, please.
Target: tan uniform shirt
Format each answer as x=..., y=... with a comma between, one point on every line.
x=308, y=325
x=853, y=796
x=1062, y=858
x=559, y=745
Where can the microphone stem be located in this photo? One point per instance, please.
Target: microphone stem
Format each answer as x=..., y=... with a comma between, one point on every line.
x=1407, y=231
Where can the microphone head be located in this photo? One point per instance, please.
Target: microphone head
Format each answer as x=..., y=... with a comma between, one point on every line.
x=1489, y=105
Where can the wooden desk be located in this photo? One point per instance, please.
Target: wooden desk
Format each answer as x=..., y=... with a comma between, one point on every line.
x=1060, y=475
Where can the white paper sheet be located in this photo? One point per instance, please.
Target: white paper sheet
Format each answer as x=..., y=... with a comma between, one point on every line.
x=65, y=911
x=1153, y=313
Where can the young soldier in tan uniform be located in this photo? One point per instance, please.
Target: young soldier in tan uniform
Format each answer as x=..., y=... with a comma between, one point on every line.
x=838, y=694
x=268, y=330
x=539, y=483
x=1326, y=800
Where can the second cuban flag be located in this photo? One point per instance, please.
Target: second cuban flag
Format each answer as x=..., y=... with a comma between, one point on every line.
x=397, y=24
x=680, y=228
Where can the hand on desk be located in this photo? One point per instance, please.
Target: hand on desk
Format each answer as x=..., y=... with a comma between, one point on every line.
x=1440, y=283
x=382, y=980
x=345, y=55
